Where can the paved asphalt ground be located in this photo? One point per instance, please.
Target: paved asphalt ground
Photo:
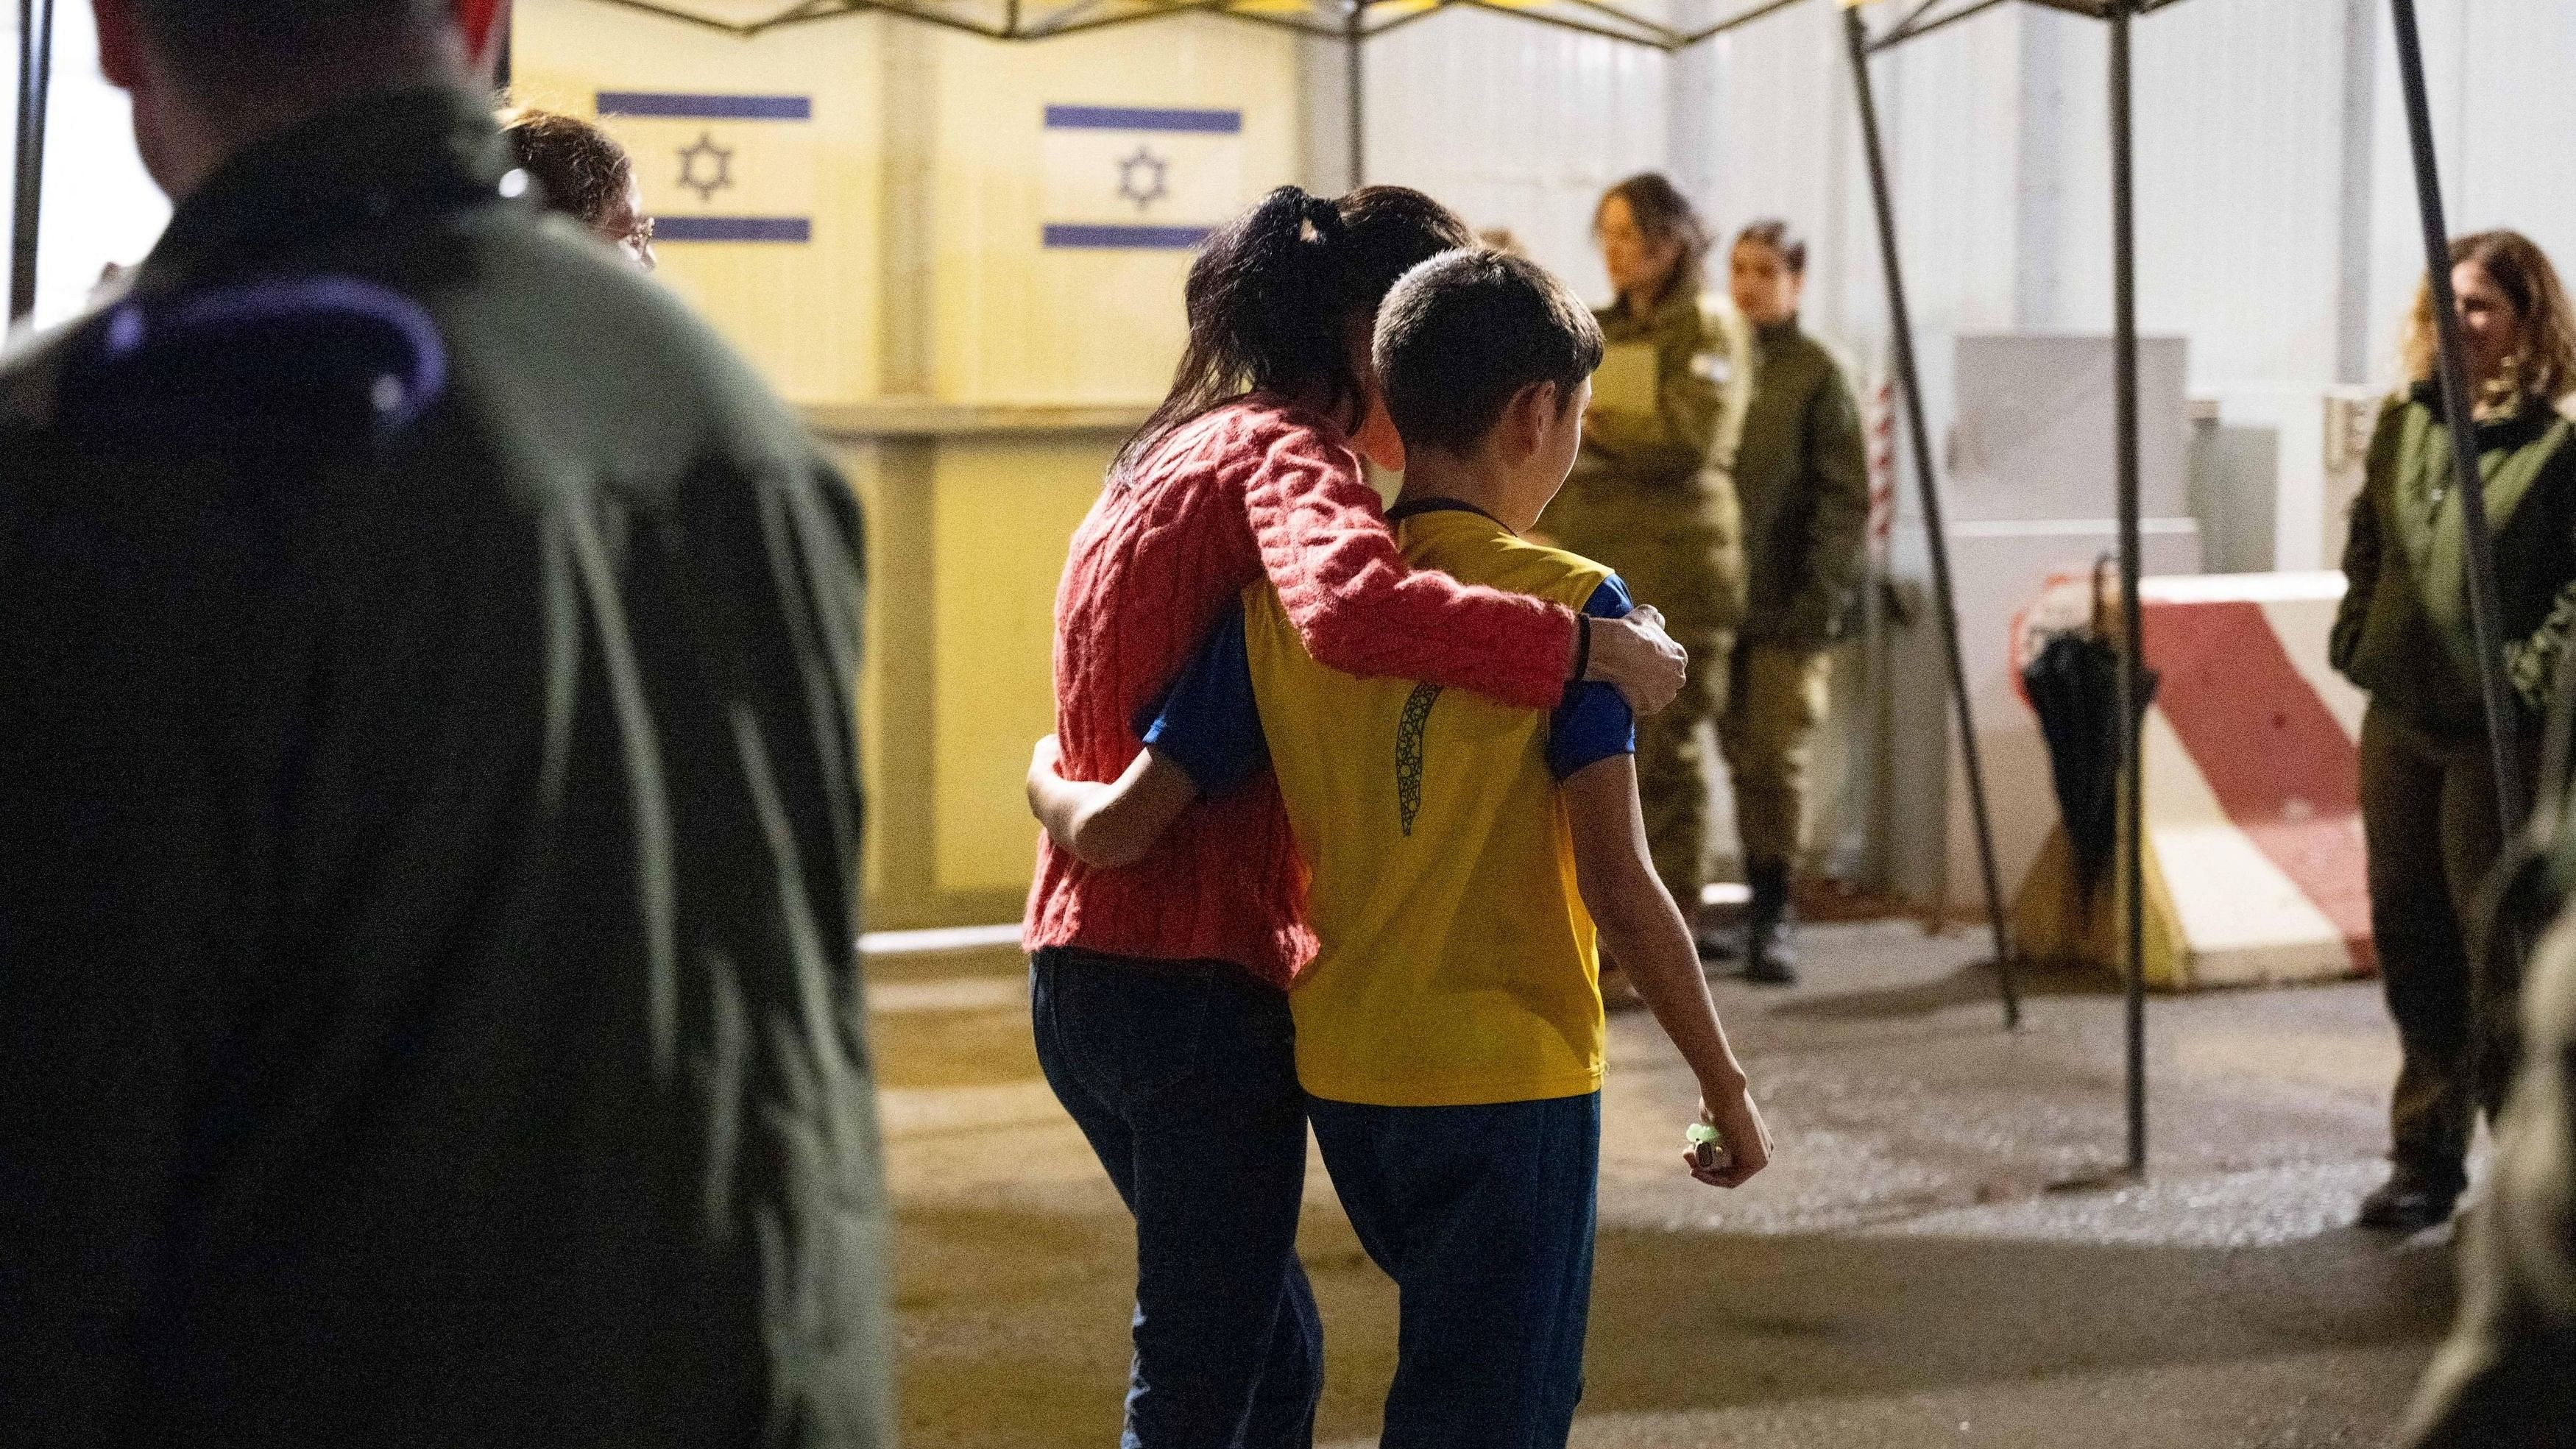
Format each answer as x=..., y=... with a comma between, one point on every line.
x=1910, y=1272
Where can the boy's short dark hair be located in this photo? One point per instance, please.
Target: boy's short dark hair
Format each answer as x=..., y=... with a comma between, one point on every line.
x=240, y=46
x=1464, y=332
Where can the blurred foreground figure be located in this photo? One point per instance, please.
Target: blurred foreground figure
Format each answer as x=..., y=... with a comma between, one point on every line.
x=427, y=826
x=2508, y=1377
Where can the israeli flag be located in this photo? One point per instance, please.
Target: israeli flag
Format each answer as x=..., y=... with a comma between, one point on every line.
x=720, y=168
x=1129, y=178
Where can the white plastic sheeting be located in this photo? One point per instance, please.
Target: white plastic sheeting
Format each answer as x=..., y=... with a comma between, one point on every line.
x=2246, y=196
x=1516, y=125
x=100, y=207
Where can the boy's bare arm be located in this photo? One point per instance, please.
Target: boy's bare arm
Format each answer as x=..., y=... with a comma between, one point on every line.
x=1644, y=931
x=1108, y=826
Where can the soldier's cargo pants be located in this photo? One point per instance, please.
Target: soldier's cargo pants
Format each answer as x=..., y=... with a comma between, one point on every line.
x=1775, y=698
x=2428, y=812
x=1672, y=769
x=1675, y=549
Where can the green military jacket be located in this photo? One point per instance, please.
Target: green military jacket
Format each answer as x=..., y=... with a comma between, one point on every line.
x=1801, y=471
x=1645, y=495
x=2402, y=633
x=1659, y=437
x=428, y=840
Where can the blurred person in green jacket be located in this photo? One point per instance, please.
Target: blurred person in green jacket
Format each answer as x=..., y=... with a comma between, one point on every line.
x=1645, y=498
x=2403, y=636
x=1800, y=470
x=2504, y=1379
x=430, y=816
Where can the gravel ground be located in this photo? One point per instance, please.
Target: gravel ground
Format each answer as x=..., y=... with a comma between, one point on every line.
x=1934, y=1259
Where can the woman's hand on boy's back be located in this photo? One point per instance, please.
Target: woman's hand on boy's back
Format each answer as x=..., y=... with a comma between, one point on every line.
x=1637, y=658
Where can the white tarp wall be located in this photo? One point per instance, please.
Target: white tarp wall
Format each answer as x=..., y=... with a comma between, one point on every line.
x=100, y=207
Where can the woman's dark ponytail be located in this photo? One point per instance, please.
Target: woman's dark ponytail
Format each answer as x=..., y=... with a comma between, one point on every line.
x=1274, y=292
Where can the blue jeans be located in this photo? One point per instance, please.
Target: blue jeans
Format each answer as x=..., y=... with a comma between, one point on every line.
x=1184, y=1077
x=1483, y=1216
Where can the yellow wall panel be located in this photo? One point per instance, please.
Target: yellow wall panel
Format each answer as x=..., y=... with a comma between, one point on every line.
x=805, y=313
x=859, y=466
x=1016, y=321
x=1005, y=511
x=928, y=171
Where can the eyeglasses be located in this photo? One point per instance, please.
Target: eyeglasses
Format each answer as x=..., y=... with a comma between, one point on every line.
x=638, y=243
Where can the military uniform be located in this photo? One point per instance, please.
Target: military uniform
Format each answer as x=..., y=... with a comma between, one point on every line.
x=1801, y=471
x=1645, y=499
x=2427, y=792
x=428, y=833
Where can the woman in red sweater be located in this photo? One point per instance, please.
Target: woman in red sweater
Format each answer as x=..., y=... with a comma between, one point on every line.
x=1159, y=988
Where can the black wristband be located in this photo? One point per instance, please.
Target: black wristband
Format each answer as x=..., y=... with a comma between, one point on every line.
x=1582, y=647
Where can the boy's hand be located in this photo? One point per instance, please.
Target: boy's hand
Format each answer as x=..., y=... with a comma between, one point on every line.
x=1744, y=1138
x=1637, y=658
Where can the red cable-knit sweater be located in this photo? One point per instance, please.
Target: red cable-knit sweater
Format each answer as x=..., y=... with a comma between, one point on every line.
x=1254, y=487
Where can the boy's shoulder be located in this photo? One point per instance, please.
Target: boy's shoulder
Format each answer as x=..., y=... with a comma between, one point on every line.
x=1504, y=561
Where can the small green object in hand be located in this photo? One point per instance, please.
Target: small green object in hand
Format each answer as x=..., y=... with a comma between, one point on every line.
x=1708, y=1149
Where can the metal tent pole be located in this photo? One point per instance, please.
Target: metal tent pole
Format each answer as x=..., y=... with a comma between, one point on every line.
x=1856, y=36
x=1355, y=38
x=2460, y=417
x=35, y=87
x=2124, y=309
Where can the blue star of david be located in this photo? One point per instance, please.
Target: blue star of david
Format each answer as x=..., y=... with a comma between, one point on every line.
x=1141, y=177
x=706, y=168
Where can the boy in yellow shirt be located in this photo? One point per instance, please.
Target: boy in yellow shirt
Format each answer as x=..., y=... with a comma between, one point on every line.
x=1450, y=1031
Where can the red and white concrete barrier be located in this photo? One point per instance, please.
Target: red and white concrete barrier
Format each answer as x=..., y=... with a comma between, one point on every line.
x=2255, y=867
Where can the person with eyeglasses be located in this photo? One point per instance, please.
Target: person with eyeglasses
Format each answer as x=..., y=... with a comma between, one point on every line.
x=582, y=172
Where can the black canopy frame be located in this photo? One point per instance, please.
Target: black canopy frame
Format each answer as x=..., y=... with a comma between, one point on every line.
x=1932, y=15
x=1355, y=22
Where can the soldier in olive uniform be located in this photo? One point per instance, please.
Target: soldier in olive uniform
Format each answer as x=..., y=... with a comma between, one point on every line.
x=1645, y=499
x=428, y=824
x=2403, y=635
x=1800, y=467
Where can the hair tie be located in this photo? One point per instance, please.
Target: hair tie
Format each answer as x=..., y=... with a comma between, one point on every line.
x=1323, y=216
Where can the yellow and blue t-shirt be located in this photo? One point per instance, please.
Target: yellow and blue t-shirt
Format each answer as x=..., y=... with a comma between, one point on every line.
x=1457, y=965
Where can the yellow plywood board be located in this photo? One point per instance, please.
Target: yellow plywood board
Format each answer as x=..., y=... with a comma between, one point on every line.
x=805, y=312
x=859, y=467
x=1017, y=320
x=1005, y=511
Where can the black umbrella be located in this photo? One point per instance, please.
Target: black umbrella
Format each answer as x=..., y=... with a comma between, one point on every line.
x=2074, y=686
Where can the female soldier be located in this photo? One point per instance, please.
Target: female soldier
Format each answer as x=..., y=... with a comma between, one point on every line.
x=1801, y=471
x=1644, y=499
x=2427, y=791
